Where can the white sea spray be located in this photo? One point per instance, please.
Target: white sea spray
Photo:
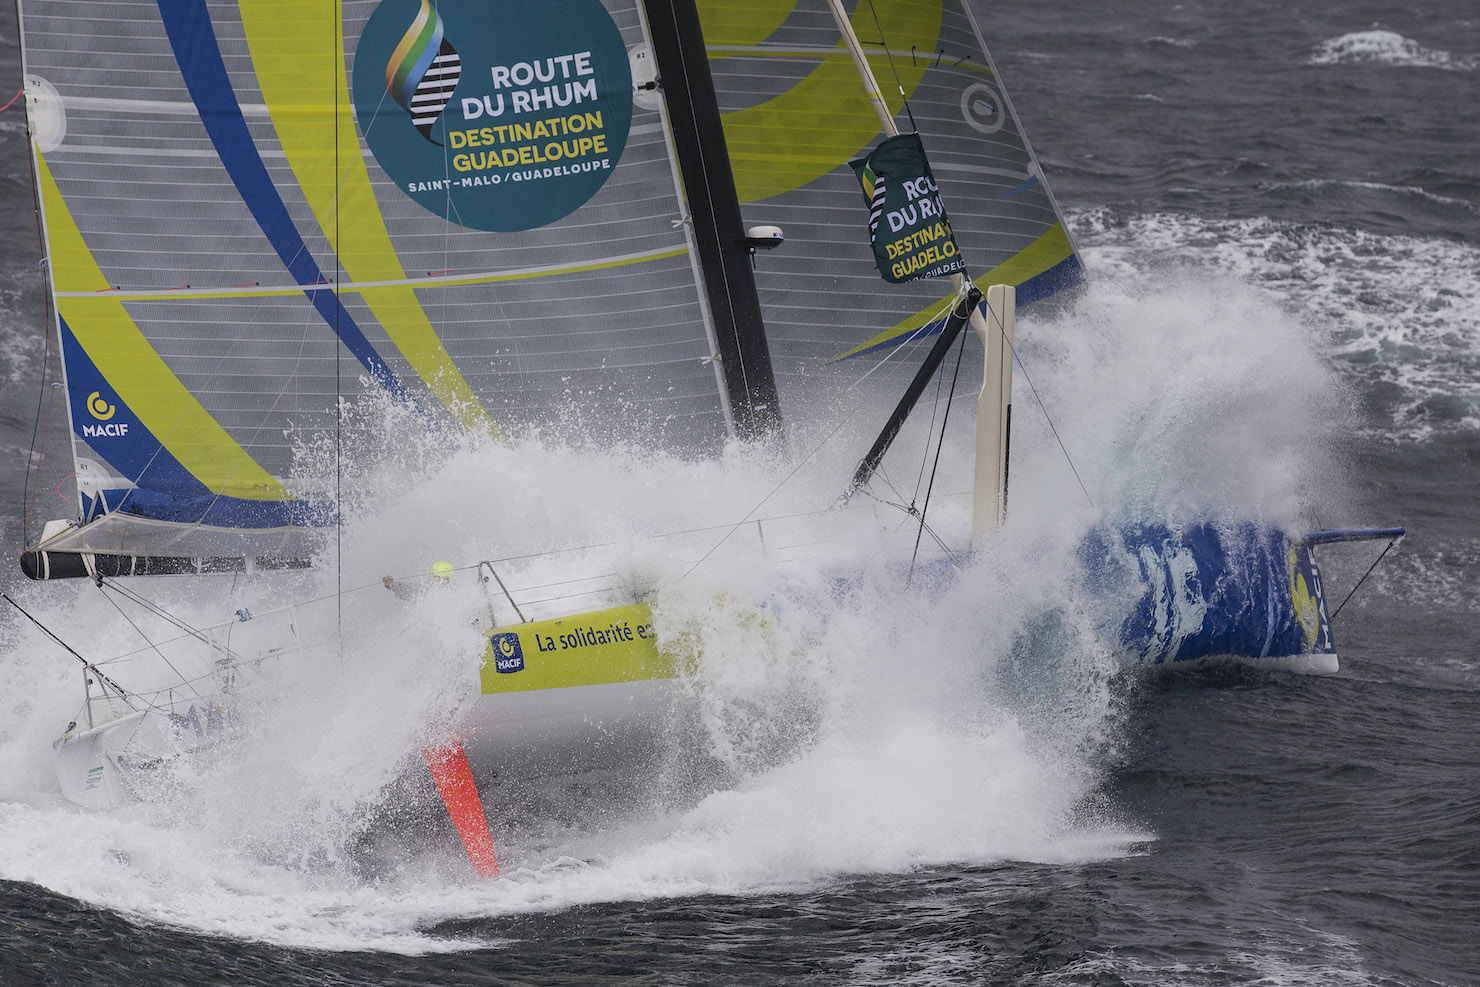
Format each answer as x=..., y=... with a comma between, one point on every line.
x=831, y=728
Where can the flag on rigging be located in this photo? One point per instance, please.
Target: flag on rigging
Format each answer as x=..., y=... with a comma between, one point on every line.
x=907, y=223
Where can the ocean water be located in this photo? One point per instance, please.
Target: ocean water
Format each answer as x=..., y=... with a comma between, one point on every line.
x=1281, y=207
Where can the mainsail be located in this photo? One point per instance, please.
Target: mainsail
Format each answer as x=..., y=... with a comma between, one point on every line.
x=251, y=207
x=254, y=210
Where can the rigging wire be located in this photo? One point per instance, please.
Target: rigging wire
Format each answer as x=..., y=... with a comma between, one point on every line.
x=825, y=440
x=107, y=682
x=148, y=646
x=950, y=400
x=40, y=428
x=761, y=503
x=1332, y=618
x=1042, y=407
x=42, y=425
x=736, y=526
x=890, y=55
x=934, y=410
x=884, y=542
x=908, y=510
x=70, y=650
x=939, y=445
x=151, y=644
x=230, y=659
x=162, y=613
x=338, y=407
x=882, y=474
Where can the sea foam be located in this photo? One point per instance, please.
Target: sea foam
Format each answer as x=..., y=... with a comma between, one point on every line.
x=1387, y=48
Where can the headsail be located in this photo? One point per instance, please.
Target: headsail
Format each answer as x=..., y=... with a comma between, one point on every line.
x=251, y=207
x=795, y=115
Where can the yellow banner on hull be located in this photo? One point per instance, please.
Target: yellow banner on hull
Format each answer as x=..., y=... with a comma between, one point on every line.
x=601, y=647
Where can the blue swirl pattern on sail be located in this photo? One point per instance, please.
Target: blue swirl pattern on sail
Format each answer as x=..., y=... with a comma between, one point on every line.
x=199, y=56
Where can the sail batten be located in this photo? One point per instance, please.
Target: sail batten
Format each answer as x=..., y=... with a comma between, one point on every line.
x=445, y=280
x=168, y=107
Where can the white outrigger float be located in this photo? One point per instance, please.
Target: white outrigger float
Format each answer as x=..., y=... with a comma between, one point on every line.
x=492, y=212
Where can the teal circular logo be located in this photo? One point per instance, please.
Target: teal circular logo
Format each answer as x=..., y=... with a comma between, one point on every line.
x=498, y=116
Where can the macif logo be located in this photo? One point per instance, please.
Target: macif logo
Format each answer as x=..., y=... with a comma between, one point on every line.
x=100, y=409
x=508, y=654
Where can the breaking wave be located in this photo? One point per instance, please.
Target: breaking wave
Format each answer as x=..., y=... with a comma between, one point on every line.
x=1397, y=314
x=1387, y=48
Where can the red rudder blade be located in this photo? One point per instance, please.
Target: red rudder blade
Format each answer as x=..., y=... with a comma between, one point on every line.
x=449, y=766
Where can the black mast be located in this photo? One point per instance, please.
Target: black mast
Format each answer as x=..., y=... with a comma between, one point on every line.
x=719, y=232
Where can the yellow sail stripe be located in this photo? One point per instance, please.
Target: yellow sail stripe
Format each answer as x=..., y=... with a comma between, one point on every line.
x=742, y=22
x=142, y=379
x=801, y=135
x=1052, y=248
x=298, y=53
x=1042, y=254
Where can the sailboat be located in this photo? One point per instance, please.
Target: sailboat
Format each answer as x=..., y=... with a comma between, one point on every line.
x=499, y=215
